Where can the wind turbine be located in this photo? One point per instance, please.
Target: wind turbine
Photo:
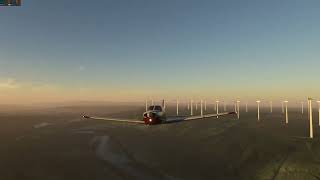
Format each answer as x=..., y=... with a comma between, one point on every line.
x=319, y=111
x=246, y=106
x=146, y=105
x=235, y=106
x=270, y=106
x=191, y=107
x=177, y=106
x=217, y=108
x=310, y=116
x=201, y=108
x=301, y=107
x=282, y=107
x=205, y=105
x=238, y=111
x=286, y=102
x=258, y=103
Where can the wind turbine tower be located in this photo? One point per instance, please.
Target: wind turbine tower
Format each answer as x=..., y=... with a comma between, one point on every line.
x=238, y=109
x=201, y=111
x=310, y=117
x=205, y=105
x=217, y=106
x=286, y=103
x=177, y=106
x=258, y=103
x=319, y=111
x=191, y=107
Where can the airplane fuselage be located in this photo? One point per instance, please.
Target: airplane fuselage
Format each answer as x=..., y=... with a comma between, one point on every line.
x=154, y=117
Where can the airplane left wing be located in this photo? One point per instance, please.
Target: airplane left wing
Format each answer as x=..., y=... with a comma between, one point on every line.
x=116, y=120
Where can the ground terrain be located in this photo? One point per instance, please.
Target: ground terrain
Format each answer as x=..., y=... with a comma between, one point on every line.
x=56, y=143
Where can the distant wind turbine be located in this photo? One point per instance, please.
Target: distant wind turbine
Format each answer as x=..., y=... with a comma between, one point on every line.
x=177, y=106
x=191, y=107
x=286, y=103
x=282, y=107
x=217, y=108
x=319, y=111
x=205, y=105
x=310, y=117
x=258, y=103
x=302, y=107
x=201, y=111
x=238, y=109
x=246, y=106
x=270, y=106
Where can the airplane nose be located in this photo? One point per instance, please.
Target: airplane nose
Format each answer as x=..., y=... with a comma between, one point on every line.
x=151, y=115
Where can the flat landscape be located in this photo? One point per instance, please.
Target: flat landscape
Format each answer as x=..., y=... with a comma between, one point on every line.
x=56, y=143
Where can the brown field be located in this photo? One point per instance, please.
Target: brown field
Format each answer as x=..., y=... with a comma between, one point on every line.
x=56, y=143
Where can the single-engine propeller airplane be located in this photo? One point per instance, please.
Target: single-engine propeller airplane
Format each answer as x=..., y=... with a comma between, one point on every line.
x=157, y=115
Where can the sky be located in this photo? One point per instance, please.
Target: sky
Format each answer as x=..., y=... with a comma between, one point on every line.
x=128, y=50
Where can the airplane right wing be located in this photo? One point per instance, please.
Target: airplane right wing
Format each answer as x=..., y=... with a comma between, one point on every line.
x=190, y=118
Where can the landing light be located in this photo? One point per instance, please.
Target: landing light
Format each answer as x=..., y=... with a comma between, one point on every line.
x=150, y=120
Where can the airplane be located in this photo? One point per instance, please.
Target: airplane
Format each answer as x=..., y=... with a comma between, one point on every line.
x=156, y=114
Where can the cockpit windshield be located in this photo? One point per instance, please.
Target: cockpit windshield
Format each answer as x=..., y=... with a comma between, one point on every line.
x=150, y=108
x=154, y=108
x=157, y=108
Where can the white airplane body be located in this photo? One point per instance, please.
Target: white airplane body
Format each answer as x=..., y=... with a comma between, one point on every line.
x=156, y=115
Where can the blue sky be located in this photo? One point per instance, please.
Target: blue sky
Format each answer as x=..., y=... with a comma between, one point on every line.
x=133, y=49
